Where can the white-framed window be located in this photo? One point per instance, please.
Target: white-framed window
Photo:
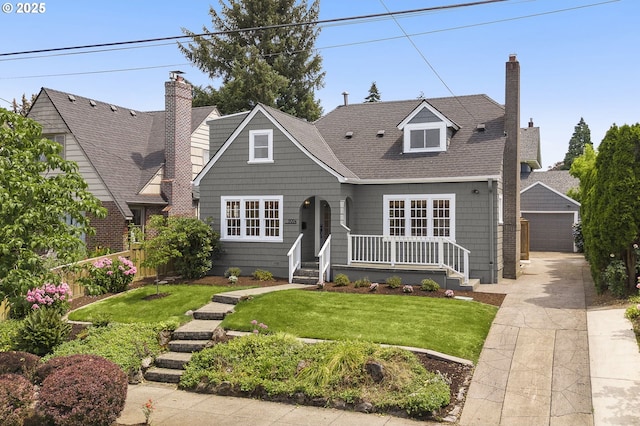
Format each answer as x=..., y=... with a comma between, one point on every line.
x=261, y=146
x=425, y=137
x=251, y=218
x=59, y=139
x=423, y=215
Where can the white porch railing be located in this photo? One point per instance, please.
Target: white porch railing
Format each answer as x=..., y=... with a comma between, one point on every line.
x=418, y=251
x=294, y=256
x=324, y=260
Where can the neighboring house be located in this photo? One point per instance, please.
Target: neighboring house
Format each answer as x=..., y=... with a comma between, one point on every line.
x=550, y=212
x=136, y=163
x=410, y=188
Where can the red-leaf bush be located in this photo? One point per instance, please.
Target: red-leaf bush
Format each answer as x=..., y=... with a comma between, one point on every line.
x=17, y=395
x=53, y=364
x=90, y=392
x=18, y=362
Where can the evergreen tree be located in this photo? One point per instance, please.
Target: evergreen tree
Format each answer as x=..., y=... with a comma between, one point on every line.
x=275, y=66
x=24, y=106
x=581, y=137
x=374, y=95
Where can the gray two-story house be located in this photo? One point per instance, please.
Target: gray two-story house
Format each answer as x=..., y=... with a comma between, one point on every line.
x=417, y=188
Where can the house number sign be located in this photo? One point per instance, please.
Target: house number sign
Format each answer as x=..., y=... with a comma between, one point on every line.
x=292, y=222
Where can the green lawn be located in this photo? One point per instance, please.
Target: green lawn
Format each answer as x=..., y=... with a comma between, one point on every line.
x=131, y=307
x=450, y=326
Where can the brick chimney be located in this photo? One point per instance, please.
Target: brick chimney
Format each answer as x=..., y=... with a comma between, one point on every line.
x=511, y=171
x=176, y=183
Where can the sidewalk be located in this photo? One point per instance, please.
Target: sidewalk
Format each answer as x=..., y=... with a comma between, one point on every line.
x=615, y=368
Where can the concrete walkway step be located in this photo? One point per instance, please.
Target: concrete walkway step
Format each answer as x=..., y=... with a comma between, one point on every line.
x=233, y=297
x=188, y=346
x=173, y=360
x=213, y=311
x=196, y=330
x=164, y=375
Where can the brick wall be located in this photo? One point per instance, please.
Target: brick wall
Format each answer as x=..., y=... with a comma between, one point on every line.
x=110, y=231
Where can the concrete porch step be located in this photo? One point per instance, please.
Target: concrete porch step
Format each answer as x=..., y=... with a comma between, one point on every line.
x=163, y=375
x=173, y=360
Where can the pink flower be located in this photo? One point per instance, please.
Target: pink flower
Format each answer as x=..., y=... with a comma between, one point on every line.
x=35, y=306
x=254, y=322
x=109, y=272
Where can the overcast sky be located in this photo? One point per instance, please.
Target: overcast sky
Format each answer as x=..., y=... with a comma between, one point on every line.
x=579, y=58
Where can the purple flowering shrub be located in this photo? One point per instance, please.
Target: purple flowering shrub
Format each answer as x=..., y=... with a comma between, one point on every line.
x=109, y=276
x=17, y=395
x=17, y=362
x=94, y=392
x=50, y=296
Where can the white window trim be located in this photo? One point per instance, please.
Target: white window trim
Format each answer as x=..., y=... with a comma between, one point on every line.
x=500, y=209
x=252, y=136
x=440, y=125
x=243, y=231
x=407, y=206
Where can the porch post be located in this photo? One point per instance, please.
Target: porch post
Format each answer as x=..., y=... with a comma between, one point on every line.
x=440, y=252
x=393, y=251
x=349, y=248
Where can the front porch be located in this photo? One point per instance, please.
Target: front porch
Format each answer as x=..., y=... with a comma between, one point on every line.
x=378, y=257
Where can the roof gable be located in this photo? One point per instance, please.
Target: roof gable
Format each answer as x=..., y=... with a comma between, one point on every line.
x=301, y=133
x=551, y=190
x=429, y=117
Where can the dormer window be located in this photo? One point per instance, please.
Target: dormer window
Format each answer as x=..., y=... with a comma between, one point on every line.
x=261, y=146
x=425, y=137
x=426, y=130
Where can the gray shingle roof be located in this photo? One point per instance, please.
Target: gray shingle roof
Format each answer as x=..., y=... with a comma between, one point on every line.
x=470, y=153
x=126, y=150
x=560, y=180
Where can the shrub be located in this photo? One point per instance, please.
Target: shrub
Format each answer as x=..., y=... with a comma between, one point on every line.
x=94, y=392
x=407, y=288
x=52, y=365
x=8, y=334
x=373, y=286
x=615, y=277
x=188, y=241
x=50, y=296
x=262, y=275
x=41, y=331
x=429, y=285
x=341, y=280
x=449, y=293
x=17, y=362
x=232, y=271
x=109, y=276
x=394, y=281
x=17, y=395
x=362, y=282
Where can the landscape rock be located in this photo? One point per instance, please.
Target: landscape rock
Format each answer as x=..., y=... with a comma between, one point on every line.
x=219, y=335
x=375, y=370
x=364, y=407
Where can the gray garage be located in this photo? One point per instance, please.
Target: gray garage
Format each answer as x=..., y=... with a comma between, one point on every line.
x=551, y=216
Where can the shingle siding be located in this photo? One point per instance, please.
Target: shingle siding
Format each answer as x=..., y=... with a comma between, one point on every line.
x=293, y=175
x=539, y=198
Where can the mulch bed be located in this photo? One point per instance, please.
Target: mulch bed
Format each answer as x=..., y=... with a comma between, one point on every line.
x=458, y=375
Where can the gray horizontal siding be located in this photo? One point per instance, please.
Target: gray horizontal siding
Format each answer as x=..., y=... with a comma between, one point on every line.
x=539, y=198
x=292, y=174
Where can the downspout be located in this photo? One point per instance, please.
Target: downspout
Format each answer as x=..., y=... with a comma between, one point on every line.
x=491, y=232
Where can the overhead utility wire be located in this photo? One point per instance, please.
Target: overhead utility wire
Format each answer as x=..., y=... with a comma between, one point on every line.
x=424, y=58
x=294, y=24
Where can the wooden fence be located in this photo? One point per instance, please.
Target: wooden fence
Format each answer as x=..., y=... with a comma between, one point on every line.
x=72, y=273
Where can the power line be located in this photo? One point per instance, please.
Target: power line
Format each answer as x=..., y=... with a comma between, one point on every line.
x=266, y=27
x=335, y=46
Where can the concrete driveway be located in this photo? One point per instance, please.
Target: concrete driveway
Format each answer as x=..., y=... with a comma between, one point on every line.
x=535, y=367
